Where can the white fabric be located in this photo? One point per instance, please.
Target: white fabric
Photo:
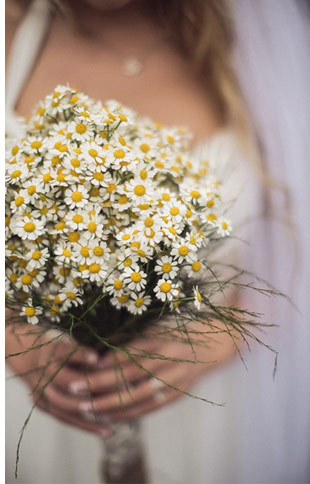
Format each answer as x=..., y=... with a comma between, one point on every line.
x=262, y=436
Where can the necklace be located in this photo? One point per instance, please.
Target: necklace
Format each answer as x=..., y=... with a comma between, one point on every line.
x=133, y=65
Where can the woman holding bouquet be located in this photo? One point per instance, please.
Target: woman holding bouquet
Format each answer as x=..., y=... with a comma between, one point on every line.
x=171, y=55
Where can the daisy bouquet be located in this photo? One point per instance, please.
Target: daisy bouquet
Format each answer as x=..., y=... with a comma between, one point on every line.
x=106, y=214
x=111, y=225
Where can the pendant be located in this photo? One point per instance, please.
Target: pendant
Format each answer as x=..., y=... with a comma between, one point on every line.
x=132, y=67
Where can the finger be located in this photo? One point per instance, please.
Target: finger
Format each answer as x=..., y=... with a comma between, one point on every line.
x=74, y=420
x=128, y=372
x=142, y=408
x=174, y=375
x=137, y=346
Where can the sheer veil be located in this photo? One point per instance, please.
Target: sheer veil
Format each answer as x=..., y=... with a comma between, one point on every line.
x=273, y=65
x=263, y=434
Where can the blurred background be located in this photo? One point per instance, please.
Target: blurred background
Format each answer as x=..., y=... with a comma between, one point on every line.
x=263, y=433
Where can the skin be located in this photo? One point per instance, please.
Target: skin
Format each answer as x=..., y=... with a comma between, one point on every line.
x=166, y=91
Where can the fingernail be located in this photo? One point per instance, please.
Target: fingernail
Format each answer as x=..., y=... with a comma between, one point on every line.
x=85, y=406
x=77, y=387
x=91, y=358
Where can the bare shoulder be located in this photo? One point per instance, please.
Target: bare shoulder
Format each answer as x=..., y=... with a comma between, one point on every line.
x=14, y=12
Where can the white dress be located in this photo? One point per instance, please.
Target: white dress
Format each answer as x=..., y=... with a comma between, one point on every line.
x=188, y=442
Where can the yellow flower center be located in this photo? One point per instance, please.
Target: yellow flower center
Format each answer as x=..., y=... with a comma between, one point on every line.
x=119, y=154
x=36, y=145
x=75, y=162
x=144, y=147
x=36, y=255
x=183, y=250
x=224, y=225
x=98, y=251
x=31, y=189
x=15, y=150
x=80, y=128
x=198, y=296
x=64, y=271
x=92, y=227
x=195, y=194
x=73, y=237
x=139, y=190
x=123, y=298
x=30, y=312
x=126, y=237
x=47, y=177
x=85, y=251
x=166, y=197
x=139, y=302
x=118, y=285
x=196, y=266
x=149, y=222
x=174, y=211
x=19, y=201
x=210, y=203
x=28, y=160
x=29, y=227
x=172, y=230
x=143, y=174
x=136, y=277
x=165, y=287
x=26, y=280
x=99, y=176
x=76, y=196
x=94, y=268
x=16, y=174
x=13, y=277
x=127, y=262
x=123, y=199
x=141, y=253
x=93, y=153
x=77, y=219
x=166, y=267
x=111, y=188
x=71, y=295
x=60, y=226
x=66, y=253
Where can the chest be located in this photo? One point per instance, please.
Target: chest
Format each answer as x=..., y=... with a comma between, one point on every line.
x=165, y=90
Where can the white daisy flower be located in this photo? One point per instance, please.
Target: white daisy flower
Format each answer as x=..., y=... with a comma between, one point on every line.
x=115, y=284
x=76, y=197
x=139, y=303
x=181, y=250
x=70, y=296
x=135, y=278
x=37, y=258
x=82, y=131
x=31, y=312
x=16, y=173
x=140, y=191
x=223, y=227
x=76, y=220
x=28, y=228
x=174, y=211
x=167, y=267
x=197, y=298
x=63, y=253
x=121, y=300
x=166, y=290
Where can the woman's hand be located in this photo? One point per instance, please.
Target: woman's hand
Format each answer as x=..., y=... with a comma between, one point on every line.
x=124, y=387
x=42, y=362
